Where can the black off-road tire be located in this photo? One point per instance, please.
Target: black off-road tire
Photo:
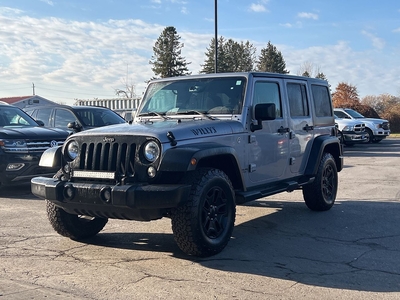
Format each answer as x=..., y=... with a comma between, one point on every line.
x=321, y=194
x=73, y=226
x=203, y=225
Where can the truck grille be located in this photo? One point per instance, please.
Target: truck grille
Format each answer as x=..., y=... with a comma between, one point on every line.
x=113, y=157
x=385, y=125
x=359, y=127
x=43, y=145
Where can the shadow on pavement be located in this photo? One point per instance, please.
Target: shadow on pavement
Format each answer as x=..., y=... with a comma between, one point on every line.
x=352, y=246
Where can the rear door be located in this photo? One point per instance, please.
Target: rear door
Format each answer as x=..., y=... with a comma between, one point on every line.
x=300, y=123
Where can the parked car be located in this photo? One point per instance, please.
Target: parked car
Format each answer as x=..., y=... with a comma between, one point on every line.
x=74, y=118
x=22, y=142
x=350, y=132
x=376, y=129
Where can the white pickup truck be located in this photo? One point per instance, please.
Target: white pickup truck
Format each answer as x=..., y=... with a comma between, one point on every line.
x=376, y=129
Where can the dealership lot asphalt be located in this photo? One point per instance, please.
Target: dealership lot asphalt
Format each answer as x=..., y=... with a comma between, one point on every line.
x=279, y=248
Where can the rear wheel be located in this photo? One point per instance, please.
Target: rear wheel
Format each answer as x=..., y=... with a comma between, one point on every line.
x=321, y=194
x=203, y=225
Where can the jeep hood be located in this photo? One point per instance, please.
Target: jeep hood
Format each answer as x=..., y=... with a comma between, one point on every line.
x=181, y=129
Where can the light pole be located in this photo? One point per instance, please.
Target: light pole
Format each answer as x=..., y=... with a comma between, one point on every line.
x=216, y=37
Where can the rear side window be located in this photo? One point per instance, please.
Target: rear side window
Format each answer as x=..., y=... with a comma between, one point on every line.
x=322, y=102
x=62, y=118
x=43, y=115
x=297, y=100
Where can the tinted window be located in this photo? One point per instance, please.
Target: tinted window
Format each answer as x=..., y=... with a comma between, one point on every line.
x=322, y=102
x=62, y=118
x=43, y=115
x=268, y=92
x=97, y=117
x=341, y=115
x=297, y=99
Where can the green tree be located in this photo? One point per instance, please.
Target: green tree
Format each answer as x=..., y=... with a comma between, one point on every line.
x=240, y=57
x=232, y=56
x=167, y=60
x=271, y=60
x=321, y=75
x=209, y=63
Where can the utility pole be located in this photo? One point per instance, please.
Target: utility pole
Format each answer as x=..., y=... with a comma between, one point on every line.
x=33, y=89
x=216, y=37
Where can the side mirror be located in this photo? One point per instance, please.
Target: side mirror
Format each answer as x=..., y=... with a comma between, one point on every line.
x=40, y=122
x=263, y=112
x=75, y=126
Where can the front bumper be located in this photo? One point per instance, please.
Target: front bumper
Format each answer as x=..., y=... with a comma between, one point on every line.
x=381, y=133
x=352, y=137
x=28, y=167
x=111, y=201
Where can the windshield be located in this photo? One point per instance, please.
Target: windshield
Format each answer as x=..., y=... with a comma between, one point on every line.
x=194, y=96
x=354, y=114
x=13, y=116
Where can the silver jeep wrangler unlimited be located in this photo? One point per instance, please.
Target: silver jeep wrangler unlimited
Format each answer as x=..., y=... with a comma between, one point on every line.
x=197, y=147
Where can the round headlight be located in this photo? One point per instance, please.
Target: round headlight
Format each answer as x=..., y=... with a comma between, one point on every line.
x=151, y=151
x=72, y=149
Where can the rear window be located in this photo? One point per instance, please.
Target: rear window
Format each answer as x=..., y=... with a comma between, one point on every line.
x=322, y=100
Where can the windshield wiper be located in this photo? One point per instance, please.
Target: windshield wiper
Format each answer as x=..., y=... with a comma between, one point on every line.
x=191, y=112
x=153, y=113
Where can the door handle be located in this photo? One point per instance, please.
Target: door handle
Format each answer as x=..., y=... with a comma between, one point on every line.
x=283, y=130
x=307, y=127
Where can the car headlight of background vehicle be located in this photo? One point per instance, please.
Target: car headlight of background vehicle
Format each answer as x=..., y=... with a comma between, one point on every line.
x=151, y=151
x=13, y=145
x=348, y=128
x=72, y=149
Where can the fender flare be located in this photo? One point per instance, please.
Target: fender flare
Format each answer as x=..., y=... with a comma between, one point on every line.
x=321, y=143
x=51, y=158
x=178, y=159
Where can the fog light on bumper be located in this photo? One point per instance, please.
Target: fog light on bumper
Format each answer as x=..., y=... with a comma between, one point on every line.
x=15, y=166
x=151, y=172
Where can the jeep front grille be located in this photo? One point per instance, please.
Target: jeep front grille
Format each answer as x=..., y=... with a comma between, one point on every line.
x=108, y=157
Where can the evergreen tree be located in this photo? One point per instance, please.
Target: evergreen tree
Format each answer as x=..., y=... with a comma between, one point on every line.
x=321, y=75
x=209, y=64
x=167, y=60
x=232, y=56
x=271, y=60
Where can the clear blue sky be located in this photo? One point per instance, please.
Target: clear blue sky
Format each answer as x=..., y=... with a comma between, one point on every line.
x=86, y=49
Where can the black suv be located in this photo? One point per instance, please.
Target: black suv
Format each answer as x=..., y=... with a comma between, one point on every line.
x=74, y=118
x=22, y=142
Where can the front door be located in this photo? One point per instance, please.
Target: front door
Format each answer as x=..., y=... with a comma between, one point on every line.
x=268, y=147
